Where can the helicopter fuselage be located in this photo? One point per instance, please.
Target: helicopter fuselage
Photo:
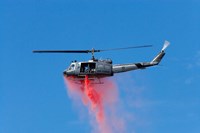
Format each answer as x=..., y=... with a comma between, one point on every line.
x=92, y=68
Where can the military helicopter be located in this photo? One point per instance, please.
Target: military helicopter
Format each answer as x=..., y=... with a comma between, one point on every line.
x=97, y=68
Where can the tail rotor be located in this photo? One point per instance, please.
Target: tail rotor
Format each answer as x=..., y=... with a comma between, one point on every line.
x=166, y=44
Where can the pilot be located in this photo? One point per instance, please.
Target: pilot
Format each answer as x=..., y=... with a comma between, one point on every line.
x=87, y=69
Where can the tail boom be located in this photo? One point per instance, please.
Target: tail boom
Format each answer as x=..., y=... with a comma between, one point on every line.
x=142, y=65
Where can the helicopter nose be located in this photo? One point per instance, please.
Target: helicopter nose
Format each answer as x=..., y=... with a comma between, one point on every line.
x=64, y=73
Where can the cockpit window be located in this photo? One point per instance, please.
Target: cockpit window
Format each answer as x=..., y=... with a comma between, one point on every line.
x=72, y=67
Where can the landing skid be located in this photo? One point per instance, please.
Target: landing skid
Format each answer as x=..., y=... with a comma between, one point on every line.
x=80, y=80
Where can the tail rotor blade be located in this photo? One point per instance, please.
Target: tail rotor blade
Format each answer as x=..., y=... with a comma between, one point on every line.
x=166, y=44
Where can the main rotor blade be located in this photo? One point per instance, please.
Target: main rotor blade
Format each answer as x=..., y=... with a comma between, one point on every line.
x=142, y=46
x=87, y=51
x=64, y=51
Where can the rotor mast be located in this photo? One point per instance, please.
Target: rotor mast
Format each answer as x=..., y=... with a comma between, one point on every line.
x=92, y=51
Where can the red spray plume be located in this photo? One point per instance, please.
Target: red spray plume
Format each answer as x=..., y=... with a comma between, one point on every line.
x=101, y=102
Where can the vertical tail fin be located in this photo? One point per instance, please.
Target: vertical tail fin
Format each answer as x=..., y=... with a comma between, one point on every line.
x=159, y=57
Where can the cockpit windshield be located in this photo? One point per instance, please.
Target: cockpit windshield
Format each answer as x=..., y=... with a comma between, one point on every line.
x=72, y=67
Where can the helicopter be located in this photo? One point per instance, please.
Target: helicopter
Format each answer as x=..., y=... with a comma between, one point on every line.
x=98, y=68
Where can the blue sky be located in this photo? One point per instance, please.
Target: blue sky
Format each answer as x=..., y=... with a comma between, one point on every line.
x=33, y=96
